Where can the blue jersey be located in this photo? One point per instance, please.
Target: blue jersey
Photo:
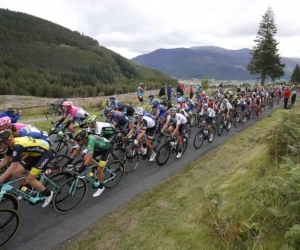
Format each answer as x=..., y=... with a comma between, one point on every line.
x=34, y=132
x=113, y=104
x=161, y=110
x=119, y=118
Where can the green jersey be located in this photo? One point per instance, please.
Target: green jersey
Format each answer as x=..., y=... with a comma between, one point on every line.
x=96, y=144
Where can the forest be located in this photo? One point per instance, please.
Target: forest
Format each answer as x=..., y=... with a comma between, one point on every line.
x=40, y=58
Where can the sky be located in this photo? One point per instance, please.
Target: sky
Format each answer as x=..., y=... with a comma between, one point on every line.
x=135, y=27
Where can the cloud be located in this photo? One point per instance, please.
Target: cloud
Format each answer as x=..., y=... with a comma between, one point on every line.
x=133, y=27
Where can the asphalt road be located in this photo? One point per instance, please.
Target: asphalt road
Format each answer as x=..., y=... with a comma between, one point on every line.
x=44, y=228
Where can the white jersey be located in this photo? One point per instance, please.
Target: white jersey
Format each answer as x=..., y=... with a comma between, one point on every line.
x=209, y=112
x=99, y=126
x=226, y=106
x=179, y=118
x=148, y=122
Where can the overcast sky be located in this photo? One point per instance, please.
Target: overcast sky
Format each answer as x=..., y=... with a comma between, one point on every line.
x=134, y=27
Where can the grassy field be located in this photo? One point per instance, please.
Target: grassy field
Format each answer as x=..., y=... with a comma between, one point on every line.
x=207, y=205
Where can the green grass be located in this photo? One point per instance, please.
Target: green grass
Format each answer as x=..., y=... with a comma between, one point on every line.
x=207, y=205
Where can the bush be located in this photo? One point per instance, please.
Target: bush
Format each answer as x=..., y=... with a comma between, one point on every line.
x=284, y=140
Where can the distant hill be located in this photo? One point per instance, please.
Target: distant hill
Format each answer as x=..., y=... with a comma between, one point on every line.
x=199, y=61
x=40, y=58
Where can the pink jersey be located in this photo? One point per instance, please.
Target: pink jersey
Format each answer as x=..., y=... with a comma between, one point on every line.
x=20, y=125
x=76, y=112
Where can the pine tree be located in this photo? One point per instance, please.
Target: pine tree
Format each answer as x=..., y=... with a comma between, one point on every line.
x=295, y=78
x=265, y=57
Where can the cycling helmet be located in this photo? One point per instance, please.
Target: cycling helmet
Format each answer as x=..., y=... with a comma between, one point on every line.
x=172, y=110
x=178, y=93
x=9, y=126
x=6, y=135
x=151, y=95
x=210, y=99
x=120, y=104
x=112, y=98
x=68, y=104
x=90, y=119
x=5, y=120
x=205, y=106
x=80, y=134
x=224, y=101
x=139, y=111
x=155, y=101
x=106, y=111
x=141, y=84
x=203, y=93
x=186, y=97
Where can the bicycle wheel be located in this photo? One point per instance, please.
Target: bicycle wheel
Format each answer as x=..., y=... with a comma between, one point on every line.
x=163, y=154
x=10, y=201
x=188, y=133
x=192, y=120
x=69, y=196
x=236, y=121
x=113, y=174
x=10, y=221
x=184, y=143
x=130, y=160
x=220, y=128
x=198, y=140
x=57, y=164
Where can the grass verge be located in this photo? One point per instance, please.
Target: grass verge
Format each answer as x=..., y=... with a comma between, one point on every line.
x=207, y=205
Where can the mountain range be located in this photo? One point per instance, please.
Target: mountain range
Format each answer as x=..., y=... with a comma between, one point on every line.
x=200, y=61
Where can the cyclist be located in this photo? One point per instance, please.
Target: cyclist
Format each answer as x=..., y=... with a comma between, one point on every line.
x=113, y=104
x=158, y=110
x=226, y=107
x=95, y=146
x=208, y=115
x=6, y=120
x=38, y=154
x=167, y=104
x=147, y=128
x=119, y=120
x=178, y=125
x=26, y=131
x=77, y=116
x=128, y=110
x=151, y=97
x=104, y=129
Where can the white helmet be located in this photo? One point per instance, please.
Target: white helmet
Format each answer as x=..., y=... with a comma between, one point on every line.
x=139, y=111
x=172, y=110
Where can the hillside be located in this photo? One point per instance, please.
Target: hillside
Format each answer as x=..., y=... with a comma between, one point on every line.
x=197, y=62
x=40, y=58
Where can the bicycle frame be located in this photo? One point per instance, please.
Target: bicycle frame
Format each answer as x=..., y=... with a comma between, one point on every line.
x=7, y=187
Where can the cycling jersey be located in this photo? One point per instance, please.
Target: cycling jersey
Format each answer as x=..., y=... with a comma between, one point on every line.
x=189, y=105
x=113, y=104
x=27, y=146
x=209, y=112
x=127, y=110
x=119, y=118
x=102, y=128
x=96, y=144
x=76, y=112
x=146, y=122
x=20, y=125
x=226, y=106
x=34, y=132
x=161, y=111
x=178, y=119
